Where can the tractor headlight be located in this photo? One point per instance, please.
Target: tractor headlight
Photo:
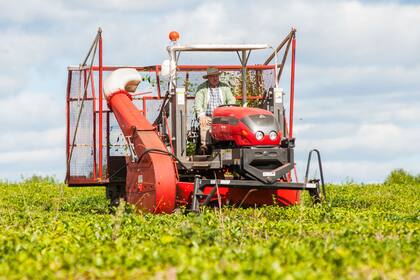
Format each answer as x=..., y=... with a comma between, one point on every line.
x=259, y=135
x=273, y=135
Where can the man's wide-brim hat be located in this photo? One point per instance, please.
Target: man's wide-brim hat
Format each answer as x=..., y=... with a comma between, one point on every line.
x=211, y=72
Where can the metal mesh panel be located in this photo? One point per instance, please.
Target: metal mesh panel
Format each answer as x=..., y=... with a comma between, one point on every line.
x=149, y=83
x=117, y=143
x=104, y=142
x=81, y=163
x=268, y=78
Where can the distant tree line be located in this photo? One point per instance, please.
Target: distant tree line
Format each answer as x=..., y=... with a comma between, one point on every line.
x=400, y=176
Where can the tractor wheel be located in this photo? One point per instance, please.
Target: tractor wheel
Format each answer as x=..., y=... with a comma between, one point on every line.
x=115, y=193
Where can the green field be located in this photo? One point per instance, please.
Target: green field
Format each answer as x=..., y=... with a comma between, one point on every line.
x=48, y=230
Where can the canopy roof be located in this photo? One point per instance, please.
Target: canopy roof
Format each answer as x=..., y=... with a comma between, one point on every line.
x=218, y=47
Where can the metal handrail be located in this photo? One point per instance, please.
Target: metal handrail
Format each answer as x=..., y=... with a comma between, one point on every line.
x=320, y=170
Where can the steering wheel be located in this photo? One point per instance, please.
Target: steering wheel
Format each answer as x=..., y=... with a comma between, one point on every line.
x=228, y=105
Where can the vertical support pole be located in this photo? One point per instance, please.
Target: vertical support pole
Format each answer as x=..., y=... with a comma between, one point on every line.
x=292, y=87
x=292, y=93
x=172, y=103
x=172, y=83
x=157, y=81
x=100, y=160
x=92, y=83
x=195, y=205
x=177, y=111
x=258, y=76
x=69, y=76
x=108, y=144
x=84, y=83
x=145, y=106
x=243, y=60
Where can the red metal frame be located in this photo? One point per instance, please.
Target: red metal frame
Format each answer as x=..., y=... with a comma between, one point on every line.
x=100, y=107
x=158, y=81
x=292, y=87
x=69, y=77
x=183, y=68
x=98, y=176
x=94, y=125
x=292, y=100
x=107, y=142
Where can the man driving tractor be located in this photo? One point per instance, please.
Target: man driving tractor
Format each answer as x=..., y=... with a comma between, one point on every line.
x=210, y=95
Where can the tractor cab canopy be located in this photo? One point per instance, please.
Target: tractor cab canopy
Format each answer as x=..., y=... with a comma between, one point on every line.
x=218, y=47
x=243, y=51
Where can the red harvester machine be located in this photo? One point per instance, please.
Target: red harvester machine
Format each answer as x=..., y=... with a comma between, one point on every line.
x=132, y=130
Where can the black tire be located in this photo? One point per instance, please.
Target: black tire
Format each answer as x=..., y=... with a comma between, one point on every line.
x=115, y=193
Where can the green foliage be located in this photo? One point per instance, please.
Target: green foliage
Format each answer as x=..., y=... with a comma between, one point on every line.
x=190, y=148
x=49, y=231
x=254, y=86
x=39, y=179
x=400, y=176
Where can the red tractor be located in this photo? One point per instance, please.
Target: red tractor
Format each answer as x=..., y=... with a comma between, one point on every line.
x=140, y=140
x=244, y=126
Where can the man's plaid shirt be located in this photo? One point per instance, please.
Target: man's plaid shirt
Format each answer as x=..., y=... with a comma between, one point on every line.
x=214, y=100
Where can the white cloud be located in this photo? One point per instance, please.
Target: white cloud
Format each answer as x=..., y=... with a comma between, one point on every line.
x=31, y=110
x=384, y=137
x=356, y=33
x=44, y=161
x=9, y=83
x=23, y=141
x=35, y=156
x=357, y=74
x=400, y=108
x=354, y=80
x=358, y=170
x=35, y=10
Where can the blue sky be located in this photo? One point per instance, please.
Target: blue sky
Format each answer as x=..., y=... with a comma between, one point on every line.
x=358, y=72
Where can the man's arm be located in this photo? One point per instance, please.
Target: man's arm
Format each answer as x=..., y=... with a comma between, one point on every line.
x=230, y=99
x=199, y=106
x=199, y=103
